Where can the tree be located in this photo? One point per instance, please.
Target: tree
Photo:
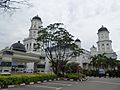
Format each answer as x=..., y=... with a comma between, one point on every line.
x=12, y=5
x=73, y=67
x=94, y=61
x=101, y=61
x=59, y=46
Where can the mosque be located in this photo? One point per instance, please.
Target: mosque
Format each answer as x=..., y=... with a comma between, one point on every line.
x=14, y=59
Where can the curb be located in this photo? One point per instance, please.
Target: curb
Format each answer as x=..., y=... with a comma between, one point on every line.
x=23, y=84
x=31, y=83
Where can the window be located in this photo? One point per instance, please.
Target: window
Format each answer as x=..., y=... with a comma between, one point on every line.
x=34, y=26
x=6, y=64
x=27, y=46
x=102, y=36
x=6, y=70
x=102, y=44
x=107, y=44
x=42, y=71
x=30, y=45
x=103, y=48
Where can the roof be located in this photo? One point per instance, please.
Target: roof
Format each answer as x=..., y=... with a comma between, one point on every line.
x=103, y=29
x=18, y=47
x=37, y=17
x=77, y=40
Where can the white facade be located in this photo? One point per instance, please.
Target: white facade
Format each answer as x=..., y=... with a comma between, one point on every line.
x=36, y=24
x=29, y=42
x=104, y=45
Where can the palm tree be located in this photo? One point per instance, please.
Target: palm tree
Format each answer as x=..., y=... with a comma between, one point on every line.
x=99, y=61
x=94, y=60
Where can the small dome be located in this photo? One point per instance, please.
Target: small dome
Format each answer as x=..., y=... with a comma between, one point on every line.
x=93, y=46
x=103, y=29
x=37, y=17
x=18, y=47
x=77, y=40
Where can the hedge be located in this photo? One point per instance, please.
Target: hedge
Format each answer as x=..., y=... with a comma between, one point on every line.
x=74, y=76
x=95, y=73
x=19, y=79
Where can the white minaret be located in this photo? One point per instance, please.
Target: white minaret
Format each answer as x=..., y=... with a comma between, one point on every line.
x=104, y=43
x=93, y=50
x=78, y=43
x=36, y=24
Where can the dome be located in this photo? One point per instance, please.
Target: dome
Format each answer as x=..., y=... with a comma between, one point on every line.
x=37, y=17
x=103, y=29
x=18, y=47
x=77, y=40
x=93, y=47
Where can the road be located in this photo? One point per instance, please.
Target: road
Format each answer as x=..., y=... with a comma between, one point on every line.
x=91, y=84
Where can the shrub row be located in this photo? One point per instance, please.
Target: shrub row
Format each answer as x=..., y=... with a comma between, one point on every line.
x=95, y=73
x=19, y=79
x=114, y=73
x=74, y=76
x=91, y=73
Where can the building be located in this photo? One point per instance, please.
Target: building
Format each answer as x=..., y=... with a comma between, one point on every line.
x=104, y=44
x=14, y=59
x=17, y=57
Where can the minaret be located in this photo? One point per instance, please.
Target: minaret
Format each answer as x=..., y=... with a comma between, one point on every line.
x=104, y=43
x=36, y=24
x=93, y=50
x=78, y=43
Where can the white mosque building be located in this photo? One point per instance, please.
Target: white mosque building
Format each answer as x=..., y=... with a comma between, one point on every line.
x=19, y=54
x=104, y=45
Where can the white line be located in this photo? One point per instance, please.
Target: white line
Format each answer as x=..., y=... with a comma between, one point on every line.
x=69, y=82
x=56, y=88
x=59, y=84
x=106, y=82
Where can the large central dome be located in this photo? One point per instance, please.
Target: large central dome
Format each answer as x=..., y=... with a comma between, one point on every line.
x=18, y=47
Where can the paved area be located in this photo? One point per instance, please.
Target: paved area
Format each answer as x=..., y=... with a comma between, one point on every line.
x=91, y=84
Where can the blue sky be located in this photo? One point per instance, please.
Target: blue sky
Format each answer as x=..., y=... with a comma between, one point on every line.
x=82, y=18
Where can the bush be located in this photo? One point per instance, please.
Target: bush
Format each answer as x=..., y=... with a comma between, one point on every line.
x=74, y=76
x=94, y=73
x=113, y=73
x=19, y=79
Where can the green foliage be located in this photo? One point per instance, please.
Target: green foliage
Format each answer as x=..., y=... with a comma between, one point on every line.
x=19, y=79
x=58, y=45
x=113, y=73
x=95, y=73
x=74, y=76
x=101, y=61
x=91, y=73
x=73, y=67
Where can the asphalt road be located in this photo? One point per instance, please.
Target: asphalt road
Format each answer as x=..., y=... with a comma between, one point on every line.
x=91, y=84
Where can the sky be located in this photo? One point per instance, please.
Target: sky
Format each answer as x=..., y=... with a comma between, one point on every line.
x=82, y=18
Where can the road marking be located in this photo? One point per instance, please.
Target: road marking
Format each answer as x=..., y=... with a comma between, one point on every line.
x=69, y=82
x=106, y=82
x=56, y=88
x=59, y=84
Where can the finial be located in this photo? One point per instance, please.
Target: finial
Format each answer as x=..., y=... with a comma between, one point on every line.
x=102, y=26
